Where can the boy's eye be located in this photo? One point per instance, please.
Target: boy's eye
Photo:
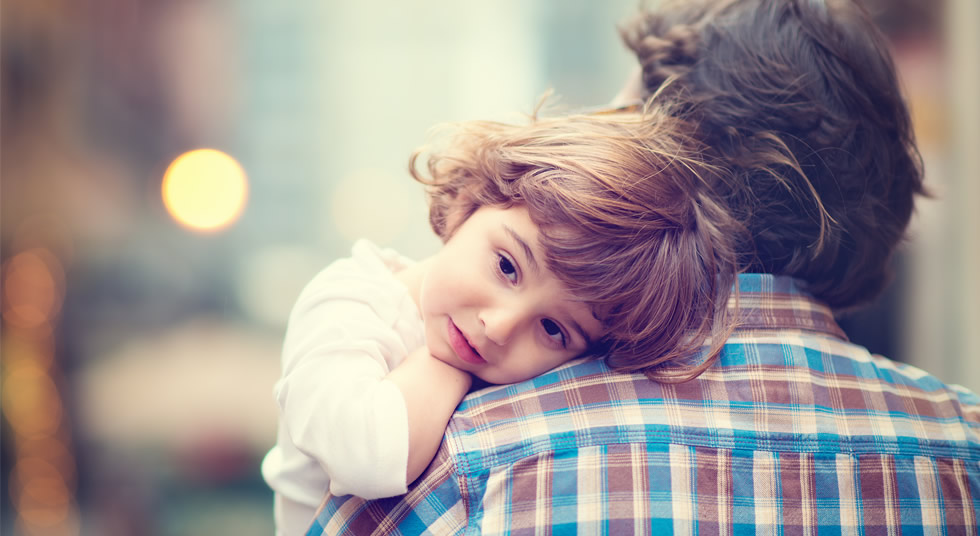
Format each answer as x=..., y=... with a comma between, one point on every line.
x=507, y=268
x=554, y=331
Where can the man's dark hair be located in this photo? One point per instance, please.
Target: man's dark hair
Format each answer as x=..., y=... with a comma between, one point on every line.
x=800, y=101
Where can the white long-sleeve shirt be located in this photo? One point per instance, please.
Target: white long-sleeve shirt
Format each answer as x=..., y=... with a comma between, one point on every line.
x=342, y=426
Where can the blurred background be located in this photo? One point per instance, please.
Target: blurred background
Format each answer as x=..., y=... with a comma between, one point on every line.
x=174, y=172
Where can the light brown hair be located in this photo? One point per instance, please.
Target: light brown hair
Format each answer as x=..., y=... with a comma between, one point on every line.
x=626, y=218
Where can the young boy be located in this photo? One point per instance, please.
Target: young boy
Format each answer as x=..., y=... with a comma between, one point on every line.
x=563, y=238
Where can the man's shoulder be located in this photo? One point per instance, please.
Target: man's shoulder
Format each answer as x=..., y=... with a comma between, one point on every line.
x=577, y=405
x=788, y=391
x=577, y=384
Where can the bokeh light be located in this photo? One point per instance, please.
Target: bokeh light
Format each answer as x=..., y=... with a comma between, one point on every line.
x=41, y=484
x=33, y=288
x=42, y=495
x=31, y=402
x=54, y=450
x=205, y=189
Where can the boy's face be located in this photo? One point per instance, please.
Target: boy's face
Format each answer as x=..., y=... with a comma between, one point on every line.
x=492, y=308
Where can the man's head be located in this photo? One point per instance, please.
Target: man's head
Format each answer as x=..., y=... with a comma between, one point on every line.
x=624, y=217
x=800, y=101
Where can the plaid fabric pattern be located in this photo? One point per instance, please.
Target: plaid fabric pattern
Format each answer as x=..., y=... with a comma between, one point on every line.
x=793, y=431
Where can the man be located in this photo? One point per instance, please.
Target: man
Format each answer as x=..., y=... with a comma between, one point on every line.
x=793, y=428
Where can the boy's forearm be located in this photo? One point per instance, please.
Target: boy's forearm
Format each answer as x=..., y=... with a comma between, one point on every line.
x=432, y=390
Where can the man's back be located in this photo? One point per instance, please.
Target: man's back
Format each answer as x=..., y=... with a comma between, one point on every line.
x=793, y=428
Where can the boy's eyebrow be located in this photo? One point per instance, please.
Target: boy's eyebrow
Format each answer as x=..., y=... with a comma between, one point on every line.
x=528, y=252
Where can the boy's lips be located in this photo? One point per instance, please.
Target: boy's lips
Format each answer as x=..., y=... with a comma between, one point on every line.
x=461, y=346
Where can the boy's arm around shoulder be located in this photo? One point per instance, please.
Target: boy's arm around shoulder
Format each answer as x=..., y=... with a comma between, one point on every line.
x=432, y=389
x=334, y=401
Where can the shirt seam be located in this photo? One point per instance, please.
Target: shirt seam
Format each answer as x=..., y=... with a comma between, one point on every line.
x=965, y=452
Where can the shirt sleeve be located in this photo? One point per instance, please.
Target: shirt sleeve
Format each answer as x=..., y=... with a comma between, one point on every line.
x=433, y=505
x=334, y=402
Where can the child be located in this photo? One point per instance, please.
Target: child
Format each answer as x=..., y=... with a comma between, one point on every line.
x=562, y=238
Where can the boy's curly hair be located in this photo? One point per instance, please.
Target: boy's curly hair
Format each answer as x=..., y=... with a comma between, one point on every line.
x=799, y=98
x=627, y=222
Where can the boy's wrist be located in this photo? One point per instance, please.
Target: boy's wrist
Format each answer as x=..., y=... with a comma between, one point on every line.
x=439, y=372
x=449, y=373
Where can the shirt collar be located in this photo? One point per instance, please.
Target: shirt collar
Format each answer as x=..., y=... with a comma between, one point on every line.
x=766, y=301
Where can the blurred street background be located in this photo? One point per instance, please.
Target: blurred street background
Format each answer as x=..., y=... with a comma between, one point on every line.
x=174, y=172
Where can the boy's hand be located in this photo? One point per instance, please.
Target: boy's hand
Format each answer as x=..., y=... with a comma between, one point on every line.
x=432, y=390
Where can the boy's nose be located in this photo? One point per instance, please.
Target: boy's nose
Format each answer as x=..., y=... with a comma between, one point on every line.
x=500, y=324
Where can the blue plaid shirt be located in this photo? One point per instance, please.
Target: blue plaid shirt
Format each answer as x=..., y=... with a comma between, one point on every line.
x=793, y=430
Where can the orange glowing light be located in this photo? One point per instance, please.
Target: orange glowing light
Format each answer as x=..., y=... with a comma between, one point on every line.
x=205, y=190
x=31, y=402
x=33, y=287
x=32, y=347
x=51, y=450
x=40, y=492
